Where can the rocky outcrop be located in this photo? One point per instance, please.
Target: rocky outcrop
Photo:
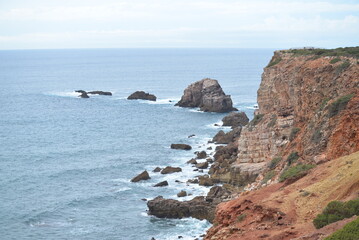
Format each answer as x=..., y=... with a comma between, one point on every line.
x=168, y=170
x=235, y=119
x=142, y=176
x=101, y=93
x=142, y=95
x=84, y=95
x=201, y=155
x=161, y=184
x=181, y=146
x=208, y=95
x=224, y=138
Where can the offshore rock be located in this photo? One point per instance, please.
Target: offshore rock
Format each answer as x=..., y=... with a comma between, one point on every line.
x=84, y=95
x=182, y=194
x=168, y=170
x=235, y=119
x=208, y=95
x=181, y=146
x=101, y=93
x=201, y=155
x=142, y=176
x=161, y=184
x=142, y=95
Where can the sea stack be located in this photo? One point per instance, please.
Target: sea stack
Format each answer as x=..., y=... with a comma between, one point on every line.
x=208, y=95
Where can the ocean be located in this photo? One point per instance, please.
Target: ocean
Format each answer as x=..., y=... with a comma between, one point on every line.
x=66, y=162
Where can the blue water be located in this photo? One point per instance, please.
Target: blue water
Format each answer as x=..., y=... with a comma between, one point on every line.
x=66, y=162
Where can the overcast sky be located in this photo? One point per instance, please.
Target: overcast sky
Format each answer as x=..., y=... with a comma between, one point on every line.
x=37, y=24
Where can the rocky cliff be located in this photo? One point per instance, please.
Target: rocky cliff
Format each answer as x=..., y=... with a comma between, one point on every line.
x=308, y=115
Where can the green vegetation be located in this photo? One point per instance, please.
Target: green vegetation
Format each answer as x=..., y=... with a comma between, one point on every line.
x=317, y=136
x=342, y=67
x=293, y=157
x=274, y=162
x=275, y=60
x=295, y=172
x=241, y=217
x=257, y=118
x=349, y=232
x=293, y=133
x=335, y=60
x=269, y=175
x=336, y=211
x=340, y=104
x=272, y=121
x=347, y=51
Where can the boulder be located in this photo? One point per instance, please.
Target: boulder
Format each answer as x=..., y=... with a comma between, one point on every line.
x=142, y=176
x=203, y=165
x=198, y=208
x=201, y=155
x=235, y=119
x=157, y=169
x=161, y=184
x=225, y=138
x=182, y=194
x=142, y=95
x=168, y=170
x=208, y=95
x=205, y=181
x=192, y=161
x=194, y=181
x=181, y=146
x=192, y=135
x=101, y=93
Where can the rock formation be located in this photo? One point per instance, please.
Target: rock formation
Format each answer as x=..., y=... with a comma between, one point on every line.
x=235, y=119
x=142, y=176
x=84, y=94
x=181, y=146
x=208, y=95
x=168, y=170
x=142, y=95
x=161, y=184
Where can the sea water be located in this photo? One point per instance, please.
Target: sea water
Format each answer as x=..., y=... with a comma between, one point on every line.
x=66, y=162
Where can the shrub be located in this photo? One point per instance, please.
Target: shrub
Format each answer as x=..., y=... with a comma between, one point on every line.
x=342, y=67
x=340, y=104
x=257, y=118
x=295, y=172
x=293, y=133
x=274, y=162
x=336, y=211
x=274, y=61
x=292, y=157
x=269, y=175
x=347, y=51
x=335, y=60
x=241, y=217
x=349, y=232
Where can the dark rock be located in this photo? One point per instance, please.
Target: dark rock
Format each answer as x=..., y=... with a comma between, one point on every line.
x=235, y=119
x=205, y=181
x=202, y=165
x=157, y=169
x=182, y=194
x=142, y=176
x=209, y=160
x=195, y=170
x=170, y=208
x=192, y=135
x=201, y=155
x=178, y=181
x=144, y=199
x=101, y=93
x=161, y=184
x=209, y=148
x=201, y=171
x=208, y=95
x=194, y=181
x=192, y=161
x=142, y=95
x=80, y=91
x=169, y=169
x=225, y=138
x=181, y=146
x=84, y=95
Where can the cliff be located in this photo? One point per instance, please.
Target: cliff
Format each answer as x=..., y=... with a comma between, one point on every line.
x=308, y=117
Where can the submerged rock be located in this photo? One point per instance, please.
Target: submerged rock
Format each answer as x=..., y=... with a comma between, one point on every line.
x=168, y=170
x=142, y=95
x=235, y=119
x=142, y=176
x=181, y=146
x=208, y=95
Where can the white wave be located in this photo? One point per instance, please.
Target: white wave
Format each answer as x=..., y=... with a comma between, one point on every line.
x=63, y=93
x=170, y=101
x=122, y=189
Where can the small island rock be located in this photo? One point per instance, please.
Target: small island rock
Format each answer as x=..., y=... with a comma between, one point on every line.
x=181, y=146
x=168, y=170
x=142, y=176
x=142, y=95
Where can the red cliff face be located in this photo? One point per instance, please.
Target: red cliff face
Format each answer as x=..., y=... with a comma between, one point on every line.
x=309, y=107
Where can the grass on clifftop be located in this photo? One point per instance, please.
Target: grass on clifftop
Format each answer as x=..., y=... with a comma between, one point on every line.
x=349, y=232
x=295, y=172
x=336, y=211
x=347, y=51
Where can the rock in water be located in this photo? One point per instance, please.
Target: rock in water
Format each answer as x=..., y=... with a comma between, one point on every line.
x=142, y=95
x=161, y=184
x=208, y=95
x=202, y=155
x=101, y=93
x=235, y=119
x=169, y=169
x=142, y=176
x=181, y=146
x=84, y=95
x=203, y=165
x=182, y=194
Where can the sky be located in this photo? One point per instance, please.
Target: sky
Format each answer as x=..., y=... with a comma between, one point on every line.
x=53, y=24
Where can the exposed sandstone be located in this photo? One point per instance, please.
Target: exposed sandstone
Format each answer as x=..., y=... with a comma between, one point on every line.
x=208, y=95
